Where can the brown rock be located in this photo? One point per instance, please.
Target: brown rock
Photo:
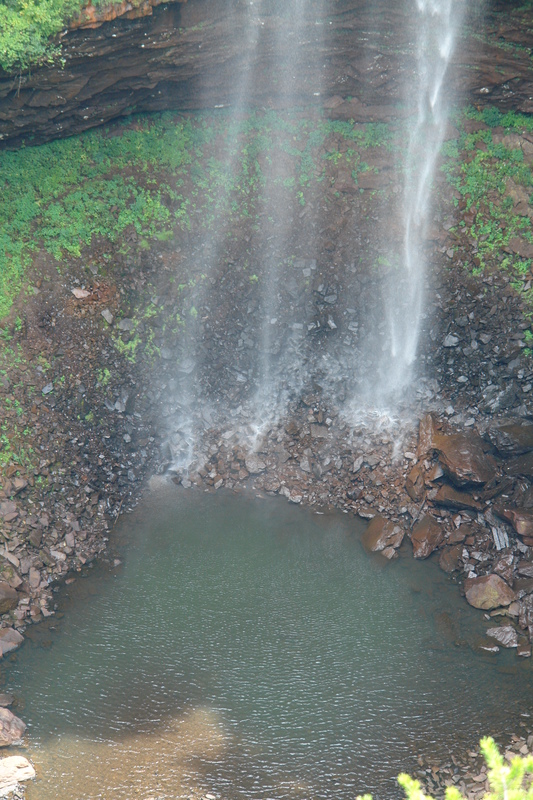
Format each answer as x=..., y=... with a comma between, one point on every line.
x=458, y=535
x=464, y=460
x=448, y=497
x=512, y=438
x=10, y=639
x=8, y=598
x=504, y=567
x=414, y=484
x=520, y=519
x=426, y=536
x=488, y=591
x=524, y=650
x=11, y=728
x=382, y=533
x=449, y=558
x=521, y=466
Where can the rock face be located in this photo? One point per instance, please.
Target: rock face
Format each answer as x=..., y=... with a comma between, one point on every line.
x=382, y=534
x=464, y=460
x=426, y=536
x=13, y=770
x=134, y=57
x=487, y=592
x=11, y=728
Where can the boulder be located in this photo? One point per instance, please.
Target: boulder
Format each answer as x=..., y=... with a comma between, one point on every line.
x=449, y=558
x=448, y=497
x=10, y=639
x=8, y=598
x=414, y=484
x=254, y=465
x=426, y=536
x=506, y=635
x=382, y=533
x=512, y=438
x=488, y=591
x=464, y=460
x=11, y=728
x=520, y=519
x=13, y=770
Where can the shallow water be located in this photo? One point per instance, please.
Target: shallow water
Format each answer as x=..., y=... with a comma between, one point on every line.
x=251, y=648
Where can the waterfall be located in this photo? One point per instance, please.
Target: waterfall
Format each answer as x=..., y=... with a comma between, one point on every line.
x=303, y=318
x=435, y=22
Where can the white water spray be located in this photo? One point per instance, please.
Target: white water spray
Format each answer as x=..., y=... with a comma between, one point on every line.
x=435, y=22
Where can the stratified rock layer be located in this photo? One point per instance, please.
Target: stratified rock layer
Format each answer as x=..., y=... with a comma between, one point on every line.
x=200, y=54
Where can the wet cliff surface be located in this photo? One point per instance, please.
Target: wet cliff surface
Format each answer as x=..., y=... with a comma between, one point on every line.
x=191, y=55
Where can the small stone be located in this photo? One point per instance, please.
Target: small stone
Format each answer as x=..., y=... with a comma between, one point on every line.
x=108, y=316
x=450, y=341
x=48, y=388
x=126, y=324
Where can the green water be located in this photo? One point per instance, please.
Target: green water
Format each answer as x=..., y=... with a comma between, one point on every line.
x=250, y=648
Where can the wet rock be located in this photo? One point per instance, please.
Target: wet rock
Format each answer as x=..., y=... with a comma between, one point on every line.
x=525, y=569
x=414, y=484
x=449, y=558
x=520, y=519
x=448, y=497
x=488, y=591
x=8, y=598
x=511, y=439
x=381, y=534
x=6, y=699
x=10, y=639
x=13, y=770
x=521, y=466
x=254, y=465
x=464, y=460
x=11, y=728
x=426, y=536
x=505, y=635
x=503, y=566
x=426, y=432
x=523, y=650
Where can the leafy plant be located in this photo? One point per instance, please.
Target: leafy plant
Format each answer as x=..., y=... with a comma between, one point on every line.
x=506, y=781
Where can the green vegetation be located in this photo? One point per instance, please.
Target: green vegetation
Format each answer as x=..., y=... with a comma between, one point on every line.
x=28, y=28
x=149, y=178
x=488, y=170
x=506, y=781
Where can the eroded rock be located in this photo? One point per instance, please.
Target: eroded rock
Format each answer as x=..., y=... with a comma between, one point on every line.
x=426, y=536
x=506, y=635
x=381, y=534
x=488, y=591
x=13, y=770
x=11, y=728
x=464, y=460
